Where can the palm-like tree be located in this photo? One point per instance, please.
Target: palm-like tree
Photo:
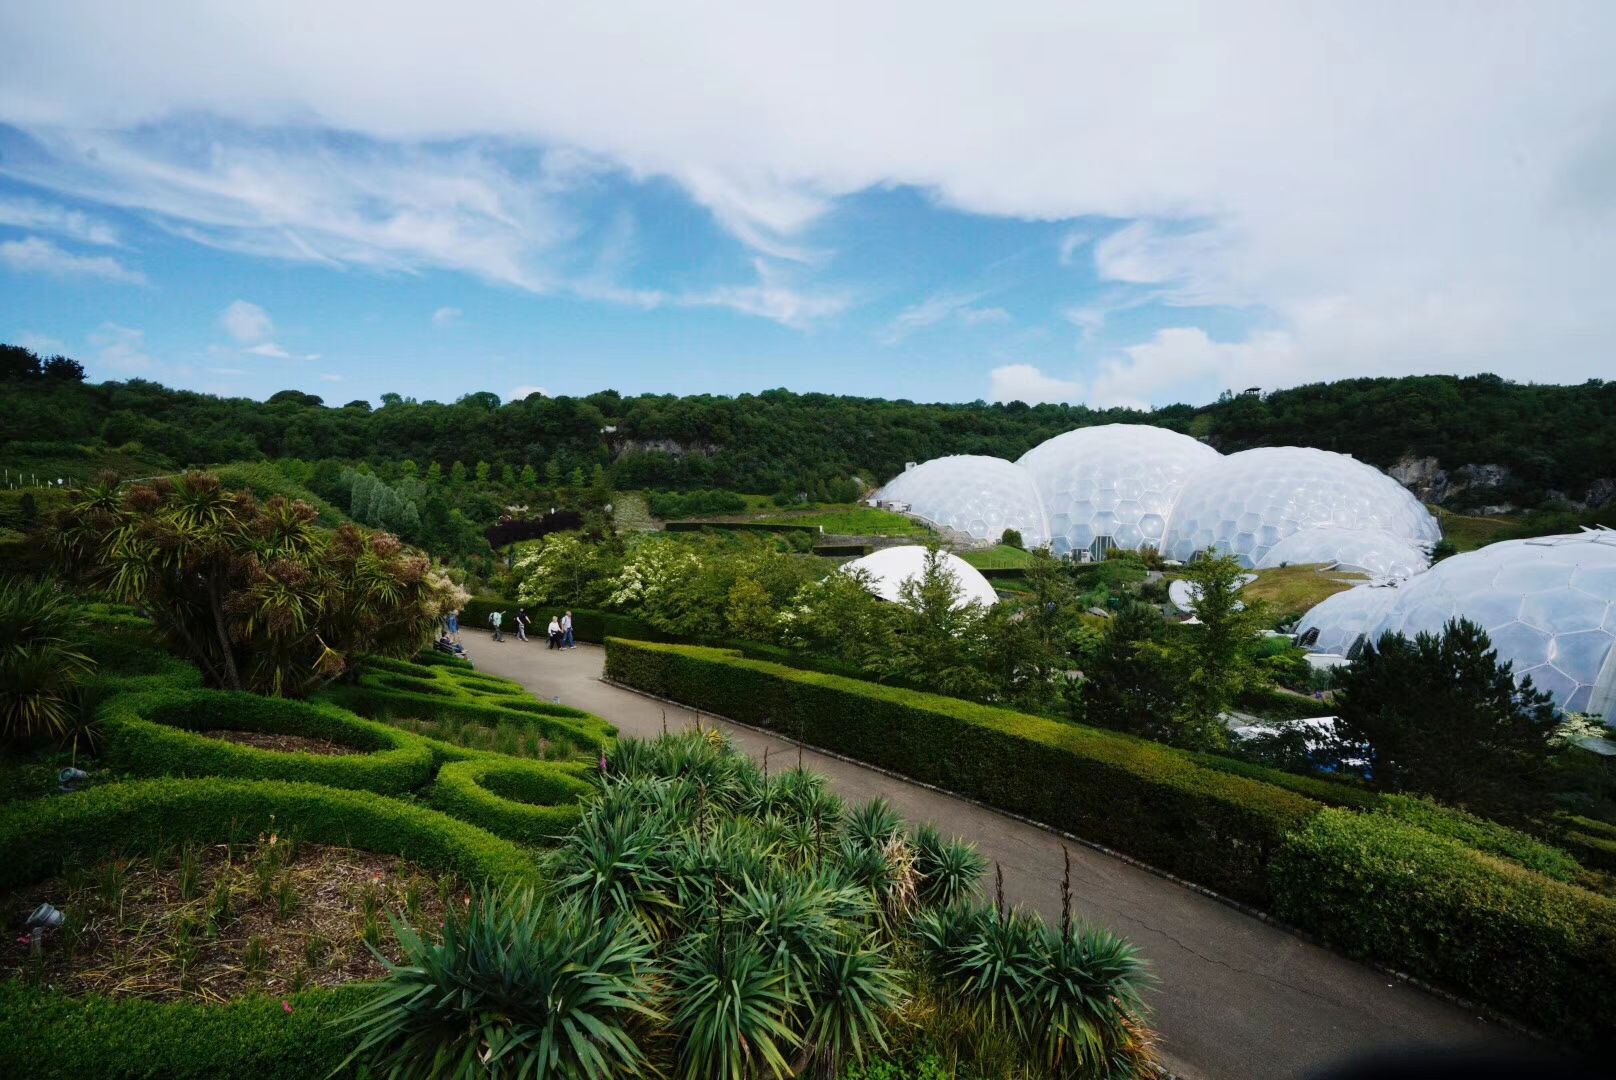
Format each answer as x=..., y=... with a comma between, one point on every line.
x=41, y=663
x=256, y=594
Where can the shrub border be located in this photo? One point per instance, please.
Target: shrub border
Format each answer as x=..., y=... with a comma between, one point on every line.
x=1501, y=902
x=463, y=790
x=392, y=761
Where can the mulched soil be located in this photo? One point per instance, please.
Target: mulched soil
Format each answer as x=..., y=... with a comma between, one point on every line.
x=286, y=744
x=218, y=922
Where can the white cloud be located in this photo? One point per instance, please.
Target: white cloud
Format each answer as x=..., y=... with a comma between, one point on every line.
x=121, y=348
x=45, y=217
x=1024, y=382
x=523, y=391
x=446, y=316
x=271, y=350
x=937, y=308
x=1071, y=244
x=1322, y=166
x=247, y=322
x=227, y=371
x=41, y=344
x=330, y=378
x=36, y=255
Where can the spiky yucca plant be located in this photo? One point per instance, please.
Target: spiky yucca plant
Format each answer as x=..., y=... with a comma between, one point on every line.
x=41, y=663
x=519, y=986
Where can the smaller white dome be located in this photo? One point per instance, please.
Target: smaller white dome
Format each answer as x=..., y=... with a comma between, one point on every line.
x=890, y=567
x=1337, y=623
x=1367, y=551
x=979, y=496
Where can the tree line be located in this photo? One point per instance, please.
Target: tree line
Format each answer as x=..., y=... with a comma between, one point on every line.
x=1551, y=438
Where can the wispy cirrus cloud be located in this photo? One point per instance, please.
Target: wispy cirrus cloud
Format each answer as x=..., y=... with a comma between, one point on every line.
x=37, y=255
x=939, y=308
x=36, y=216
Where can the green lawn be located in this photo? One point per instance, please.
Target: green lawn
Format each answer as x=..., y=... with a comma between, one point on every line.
x=1468, y=532
x=1002, y=557
x=1291, y=590
x=860, y=521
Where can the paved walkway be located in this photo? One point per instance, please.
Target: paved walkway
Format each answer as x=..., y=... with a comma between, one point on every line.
x=1237, y=1000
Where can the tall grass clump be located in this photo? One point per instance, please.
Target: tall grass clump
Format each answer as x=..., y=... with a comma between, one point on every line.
x=709, y=920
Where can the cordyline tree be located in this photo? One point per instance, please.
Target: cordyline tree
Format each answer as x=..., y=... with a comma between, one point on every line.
x=254, y=592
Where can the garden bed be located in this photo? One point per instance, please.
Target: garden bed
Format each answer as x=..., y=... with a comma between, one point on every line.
x=211, y=923
x=280, y=743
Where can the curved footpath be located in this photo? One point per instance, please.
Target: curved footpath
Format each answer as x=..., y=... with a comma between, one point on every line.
x=1238, y=999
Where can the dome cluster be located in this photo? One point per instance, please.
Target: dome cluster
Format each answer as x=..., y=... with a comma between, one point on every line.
x=1548, y=604
x=1136, y=486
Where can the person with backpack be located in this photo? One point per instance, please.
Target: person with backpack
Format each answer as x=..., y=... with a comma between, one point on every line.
x=495, y=619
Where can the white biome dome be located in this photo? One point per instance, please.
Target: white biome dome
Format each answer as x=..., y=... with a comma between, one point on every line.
x=1365, y=551
x=1548, y=604
x=1246, y=503
x=890, y=567
x=1337, y=623
x=980, y=496
x=1112, y=485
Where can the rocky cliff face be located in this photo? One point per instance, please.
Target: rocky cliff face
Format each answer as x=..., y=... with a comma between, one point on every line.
x=671, y=447
x=1431, y=483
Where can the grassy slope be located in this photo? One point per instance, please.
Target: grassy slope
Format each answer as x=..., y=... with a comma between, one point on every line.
x=852, y=521
x=1292, y=590
x=1002, y=557
x=1468, y=532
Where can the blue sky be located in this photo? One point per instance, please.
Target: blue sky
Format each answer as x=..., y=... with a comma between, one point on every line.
x=1113, y=206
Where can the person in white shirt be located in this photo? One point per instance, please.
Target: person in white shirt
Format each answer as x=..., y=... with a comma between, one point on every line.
x=555, y=633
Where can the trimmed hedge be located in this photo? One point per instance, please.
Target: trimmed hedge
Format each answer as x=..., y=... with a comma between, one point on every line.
x=1374, y=878
x=50, y=1036
x=54, y=1035
x=558, y=723
x=1148, y=800
x=156, y=734
x=528, y=801
x=1526, y=945
x=40, y=837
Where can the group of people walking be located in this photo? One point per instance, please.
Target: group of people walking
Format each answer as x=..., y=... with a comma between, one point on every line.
x=560, y=628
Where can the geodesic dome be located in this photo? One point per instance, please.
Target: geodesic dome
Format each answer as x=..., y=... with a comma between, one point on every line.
x=1337, y=623
x=890, y=567
x=1548, y=604
x=1246, y=503
x=1366, y=551
x=982, y=496
x=1116, y=481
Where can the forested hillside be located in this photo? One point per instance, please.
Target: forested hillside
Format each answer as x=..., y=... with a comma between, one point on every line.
x=1549, y=438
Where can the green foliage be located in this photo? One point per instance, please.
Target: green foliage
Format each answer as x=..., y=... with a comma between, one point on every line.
x=42, y=662
x=1215, y=659
x=257, y=595
x=42, y=837
x=530, y=802
x=1531, y=947
x=672, y=504
x=1131, y=681
x=51, y=1036
x=159, y=733
x=1442, y=716
x=863, y=521
x=440, y=692
x=1148, y=800
x=563, y=570
x=931, y=635
x=517, y=986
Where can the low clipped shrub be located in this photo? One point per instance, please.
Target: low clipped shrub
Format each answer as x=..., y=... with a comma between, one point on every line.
x=42, y=837
x=56, y=1037
x=1529, y=946
x=528, y=801
x=1404, y=881
x=368, y=696
x=159, y=733
x=1142, y=798
x=431, y=658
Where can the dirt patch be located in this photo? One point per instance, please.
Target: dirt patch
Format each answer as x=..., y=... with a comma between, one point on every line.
x=211, y=923
x=285, y=744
